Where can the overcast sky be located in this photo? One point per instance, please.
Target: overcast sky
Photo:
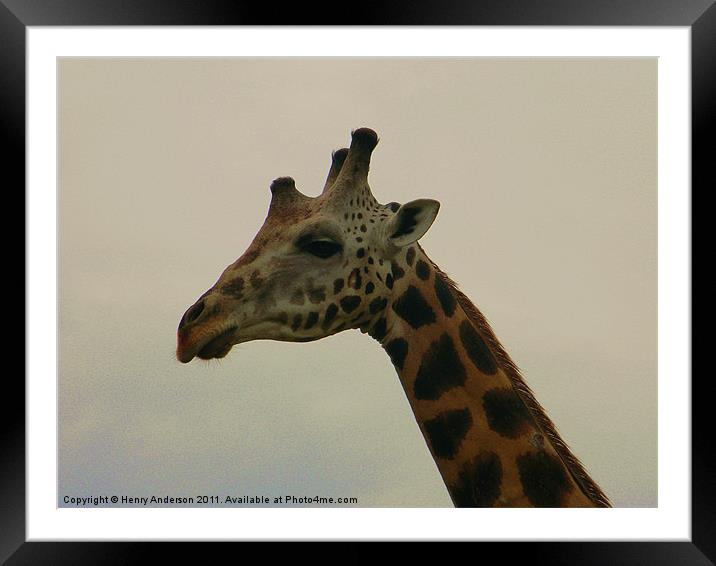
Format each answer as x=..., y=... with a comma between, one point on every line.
x=546, y=171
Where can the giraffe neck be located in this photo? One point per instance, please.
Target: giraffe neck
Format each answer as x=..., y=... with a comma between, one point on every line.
x=490, y=439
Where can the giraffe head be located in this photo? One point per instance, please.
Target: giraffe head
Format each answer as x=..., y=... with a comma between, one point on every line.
x=317, y=266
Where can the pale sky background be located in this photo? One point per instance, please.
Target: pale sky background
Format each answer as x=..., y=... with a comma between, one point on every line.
x=546, y=171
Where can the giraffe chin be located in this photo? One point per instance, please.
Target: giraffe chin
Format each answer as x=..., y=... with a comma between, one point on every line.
x=217, y=347
x=216, y=354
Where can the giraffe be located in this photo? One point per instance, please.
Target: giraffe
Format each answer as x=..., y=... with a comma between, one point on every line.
x=339, y=261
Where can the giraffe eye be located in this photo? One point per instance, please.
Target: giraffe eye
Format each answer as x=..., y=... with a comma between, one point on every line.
x=322, y=248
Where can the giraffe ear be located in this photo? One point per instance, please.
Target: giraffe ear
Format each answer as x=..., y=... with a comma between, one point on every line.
x=411, y=221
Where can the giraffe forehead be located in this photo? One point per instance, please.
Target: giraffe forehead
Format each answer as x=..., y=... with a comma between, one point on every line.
x=351, y=207
x=363, y=224
x=359, y=212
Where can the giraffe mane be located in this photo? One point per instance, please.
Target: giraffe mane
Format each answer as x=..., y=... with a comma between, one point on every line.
x=573, y=464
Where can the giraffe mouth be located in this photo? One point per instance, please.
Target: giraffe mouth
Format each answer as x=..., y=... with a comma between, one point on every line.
x=218, y=346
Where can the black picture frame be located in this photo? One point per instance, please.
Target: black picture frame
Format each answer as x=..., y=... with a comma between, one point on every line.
x=15, y=15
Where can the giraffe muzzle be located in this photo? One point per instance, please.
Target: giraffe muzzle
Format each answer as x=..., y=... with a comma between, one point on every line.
x=199, y=333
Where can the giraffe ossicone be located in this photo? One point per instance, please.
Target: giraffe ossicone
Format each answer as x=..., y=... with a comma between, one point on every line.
x=341, y=260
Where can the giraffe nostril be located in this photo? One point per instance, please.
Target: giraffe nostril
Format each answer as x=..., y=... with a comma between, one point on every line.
x=193, y=313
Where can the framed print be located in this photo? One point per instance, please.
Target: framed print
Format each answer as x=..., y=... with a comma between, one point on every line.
x=188, y=377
